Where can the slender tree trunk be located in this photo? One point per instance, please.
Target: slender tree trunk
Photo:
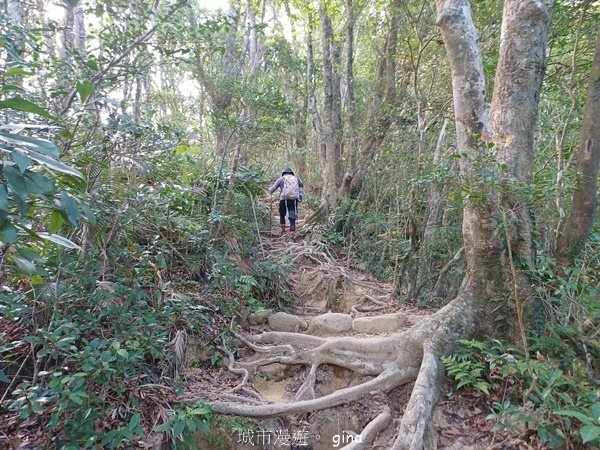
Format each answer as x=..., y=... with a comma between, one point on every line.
x=255, y=47
x=435, y=196
x=312, y=97
x=137, y=103
x=350, y=98
x=585, y=198
x=48, y=35
x=79, y=27
x=435, y=203
x=67, y=37
x=379, y=117
x=332, y=114
x=220, y=94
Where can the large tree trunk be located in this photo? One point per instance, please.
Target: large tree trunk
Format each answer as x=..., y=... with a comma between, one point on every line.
x=513, y=117
x=585, y=198
x=497, y=225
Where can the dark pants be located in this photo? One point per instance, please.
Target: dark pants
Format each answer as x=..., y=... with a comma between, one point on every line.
x=291, y=208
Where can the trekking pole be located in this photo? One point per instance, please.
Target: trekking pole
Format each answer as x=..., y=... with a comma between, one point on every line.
x=271, y=215
x=256, y=222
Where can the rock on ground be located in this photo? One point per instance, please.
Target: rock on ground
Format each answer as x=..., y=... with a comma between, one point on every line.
x=386, y=323
x=330, y=324
x=281, y=321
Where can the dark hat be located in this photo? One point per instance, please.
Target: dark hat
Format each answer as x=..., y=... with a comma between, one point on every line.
x=287, y=170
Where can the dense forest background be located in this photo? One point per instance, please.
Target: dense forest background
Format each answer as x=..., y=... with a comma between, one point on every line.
x=138, y=139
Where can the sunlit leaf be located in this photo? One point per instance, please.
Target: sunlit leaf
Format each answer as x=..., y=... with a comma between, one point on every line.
x=57, y=239
x=18, y=71
x=56, y=221
x=84, y=89
x=24, y=265
x=39, y=145
x=20, y=104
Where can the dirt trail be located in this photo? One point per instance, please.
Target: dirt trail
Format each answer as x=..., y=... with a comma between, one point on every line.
x=333, y=301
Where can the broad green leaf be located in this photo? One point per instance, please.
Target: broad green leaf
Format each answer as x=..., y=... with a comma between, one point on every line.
x=162, y=427
x=88, y=214
x=3, y=378
x=56, y=221
x=17, y=71
x=20, y=104
x=69, y=209
x=84, y=89
x=10, y=87
x=27, y=183
x=21, y=160
x=24, y=265
x=135, y=420
x=596, y=410
x=39, y=184
x=57, y=239
x=53, y=164
x=127, y=433
x=29, y=254
x=16, y=181
x=577, y=414
x=8, y=233
x=589, y=433
x=178, y=428
x=39, y=145
x=3, y=203
x=108, y=439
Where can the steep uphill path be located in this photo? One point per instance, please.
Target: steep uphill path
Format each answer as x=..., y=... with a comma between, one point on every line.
x=329, y=373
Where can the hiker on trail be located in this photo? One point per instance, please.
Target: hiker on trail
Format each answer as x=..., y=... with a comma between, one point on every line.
x=288, y=199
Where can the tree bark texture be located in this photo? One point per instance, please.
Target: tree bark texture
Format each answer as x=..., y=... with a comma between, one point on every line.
x=471, y=119
x=514, y=109
x=492, y=251
x=332, y=110
x=585, y=198
x=513, y=116
x=67, y=37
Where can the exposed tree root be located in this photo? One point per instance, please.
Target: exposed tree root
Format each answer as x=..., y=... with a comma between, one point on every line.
x=416, y=430
x=319, y=266
x=392, y=360
x=371, y=431
x=385, y=382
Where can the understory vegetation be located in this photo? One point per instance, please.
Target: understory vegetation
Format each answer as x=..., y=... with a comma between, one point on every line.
x=138, y=140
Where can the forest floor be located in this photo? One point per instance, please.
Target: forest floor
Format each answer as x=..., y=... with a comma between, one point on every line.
x=325, y=284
